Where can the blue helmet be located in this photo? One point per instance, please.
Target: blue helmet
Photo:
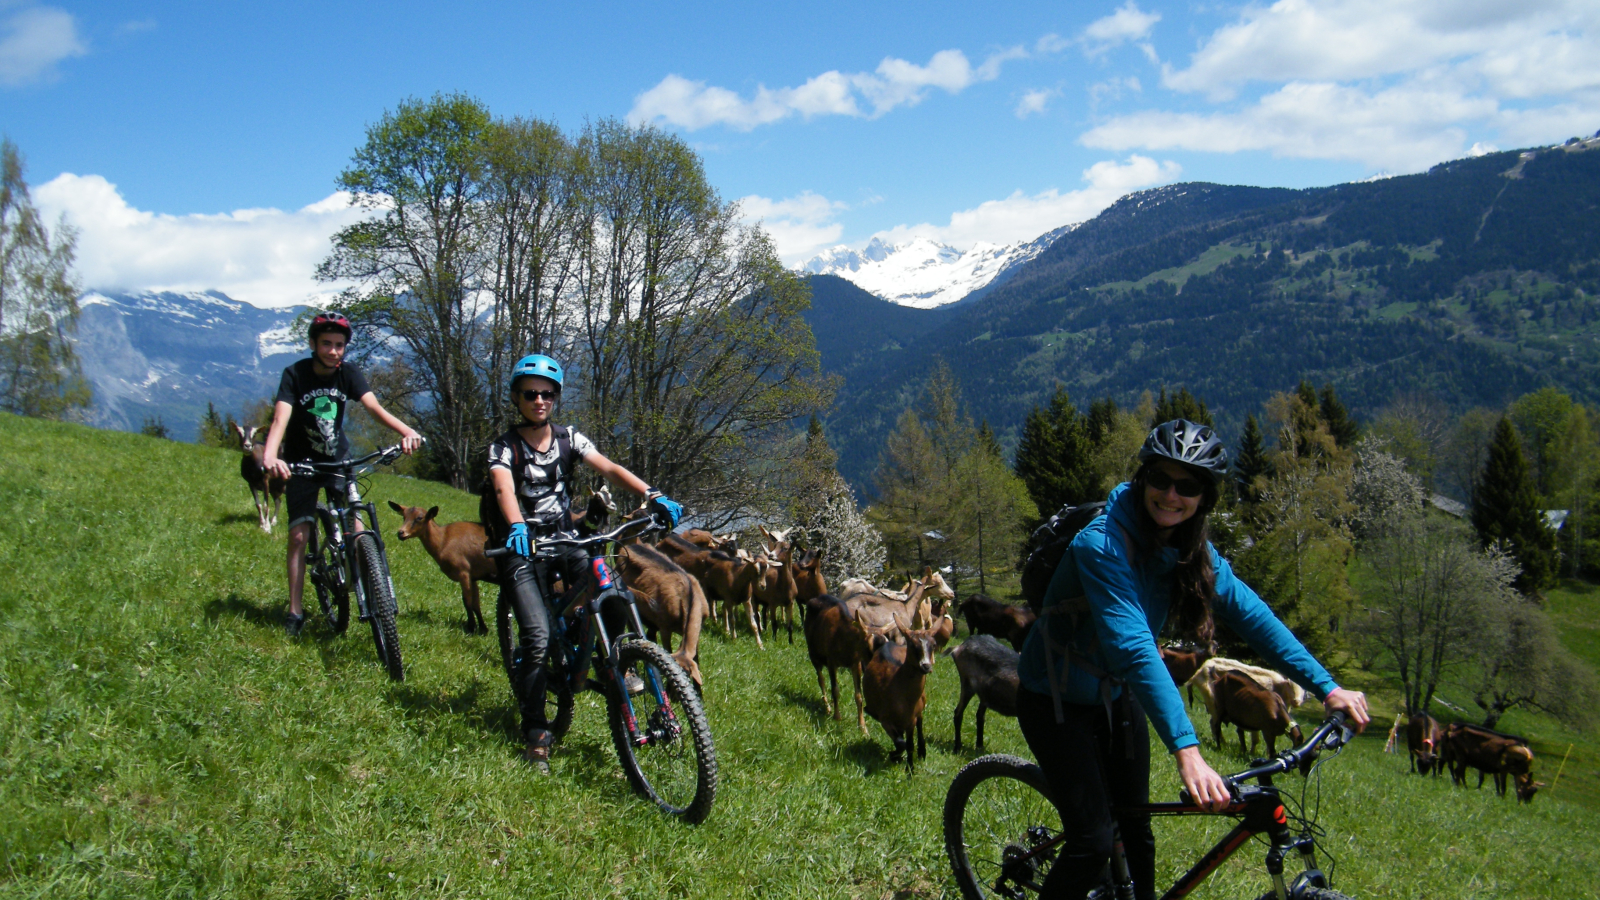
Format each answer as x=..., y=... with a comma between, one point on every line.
x=537, y=364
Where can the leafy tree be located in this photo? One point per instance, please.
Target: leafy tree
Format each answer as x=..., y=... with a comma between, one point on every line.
x=39, y=373
x=826, y=516
x=1054, y=455
x=1524, y=665
x=991, y=521
x=1181, y=405
x=1301, y=550
x=1115, y=455
x=1466, y=452
x=1506, y=510
x=1433, y=591
x=1418, y=428
x=1541, y=419
x=690, y=343
x=910, y=501
x=1381, y=490
x=419, y=263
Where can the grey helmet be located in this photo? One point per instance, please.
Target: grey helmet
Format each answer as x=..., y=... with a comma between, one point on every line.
x=1183, y=441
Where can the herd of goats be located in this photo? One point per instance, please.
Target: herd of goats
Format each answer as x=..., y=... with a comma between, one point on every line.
x=888, y=639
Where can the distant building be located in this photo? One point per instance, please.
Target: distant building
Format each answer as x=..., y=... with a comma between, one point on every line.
x=1446, y=505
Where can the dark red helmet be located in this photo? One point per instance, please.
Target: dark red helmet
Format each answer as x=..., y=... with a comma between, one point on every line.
x=329, y=322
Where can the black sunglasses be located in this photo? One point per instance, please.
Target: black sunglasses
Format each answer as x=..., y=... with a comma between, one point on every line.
x=1160, y=481
x=541, y=395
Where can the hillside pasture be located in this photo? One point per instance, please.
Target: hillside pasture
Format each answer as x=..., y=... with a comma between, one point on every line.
x=160, y=737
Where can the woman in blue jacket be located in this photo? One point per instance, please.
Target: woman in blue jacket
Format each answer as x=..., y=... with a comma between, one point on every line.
x=1091, y=670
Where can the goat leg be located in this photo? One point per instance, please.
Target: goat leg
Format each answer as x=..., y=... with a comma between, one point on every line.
x=861, y=709
x=922, y=745
x=982, y=708
x=961, y=709
x=823, y=687
x=750, y=608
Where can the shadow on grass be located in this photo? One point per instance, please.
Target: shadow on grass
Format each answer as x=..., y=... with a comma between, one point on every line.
x=493, y=717
x=812, y=704
x=237, y=607
x=239, y=518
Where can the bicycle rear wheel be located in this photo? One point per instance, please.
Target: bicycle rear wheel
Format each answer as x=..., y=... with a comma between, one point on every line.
x=373, y=571
x=557, y=691
x=997, y=810
x=661, y=735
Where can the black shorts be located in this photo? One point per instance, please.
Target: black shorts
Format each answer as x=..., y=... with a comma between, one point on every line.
x=301, y=495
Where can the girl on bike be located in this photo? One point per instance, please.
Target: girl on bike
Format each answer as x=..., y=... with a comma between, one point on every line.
x=1091, y=669
x=530, y=473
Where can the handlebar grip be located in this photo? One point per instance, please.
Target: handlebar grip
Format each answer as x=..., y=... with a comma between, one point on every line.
x=497, y=552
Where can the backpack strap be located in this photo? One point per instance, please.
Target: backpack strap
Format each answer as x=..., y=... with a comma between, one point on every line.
x=1076, y=607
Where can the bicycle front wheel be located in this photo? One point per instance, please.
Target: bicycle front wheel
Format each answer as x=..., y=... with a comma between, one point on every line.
x=373, y=570
x=327, y=573
x=996, y=812
x=661, y=735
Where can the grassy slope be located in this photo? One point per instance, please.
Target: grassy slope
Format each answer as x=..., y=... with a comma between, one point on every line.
x=159, y=736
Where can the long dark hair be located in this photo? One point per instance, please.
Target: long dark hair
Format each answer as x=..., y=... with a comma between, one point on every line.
x=1194, y=581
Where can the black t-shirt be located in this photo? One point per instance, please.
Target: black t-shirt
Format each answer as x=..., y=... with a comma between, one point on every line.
x=316, y=425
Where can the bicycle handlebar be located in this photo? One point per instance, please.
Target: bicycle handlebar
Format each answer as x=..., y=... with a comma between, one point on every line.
x=387, y=454
x=1331, y=733
x=613, y=534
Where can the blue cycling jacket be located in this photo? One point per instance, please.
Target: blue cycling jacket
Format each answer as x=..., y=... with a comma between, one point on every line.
x=1128, y=604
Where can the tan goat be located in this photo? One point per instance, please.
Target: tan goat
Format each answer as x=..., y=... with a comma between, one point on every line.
x=458, y=549
x=670, y=601
x=895, y=682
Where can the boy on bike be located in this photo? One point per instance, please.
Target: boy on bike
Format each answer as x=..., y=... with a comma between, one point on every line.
x=530, y=472
x=308, y=426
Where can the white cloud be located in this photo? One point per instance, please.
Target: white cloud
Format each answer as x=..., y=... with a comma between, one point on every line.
x=1402, y=129
x=799, y=225
x=35, y=39
x=1128, y=23
x=1033, y=102
x=1393, y=84
x=692, y=105
x=1022, y=217
x=263, y=256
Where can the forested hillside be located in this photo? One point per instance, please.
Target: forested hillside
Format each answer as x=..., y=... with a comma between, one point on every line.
x=1474, y=282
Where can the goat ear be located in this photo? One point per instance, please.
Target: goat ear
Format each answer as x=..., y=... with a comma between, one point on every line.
x=432, y=511
x=397, y=507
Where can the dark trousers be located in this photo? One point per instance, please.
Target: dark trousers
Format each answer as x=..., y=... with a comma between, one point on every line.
x=519, y=577
x=1091, y=767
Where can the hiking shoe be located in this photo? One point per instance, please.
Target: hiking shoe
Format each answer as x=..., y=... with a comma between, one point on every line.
x=634, y=682
x=293, y=623
x=538, y=757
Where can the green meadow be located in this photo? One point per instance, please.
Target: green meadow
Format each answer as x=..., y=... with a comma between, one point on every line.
x=161, y=737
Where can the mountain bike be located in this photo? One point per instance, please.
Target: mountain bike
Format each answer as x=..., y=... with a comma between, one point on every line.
x=342, y=560
x=1002, y=833
x=658, y=726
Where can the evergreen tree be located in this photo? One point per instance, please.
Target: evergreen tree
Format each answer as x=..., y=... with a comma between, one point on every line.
x=910, y=483
x=991, y=522
x=1053, y=456
x=1251, y=461
x=1180, y=405
x=988, y=441
x=213, y=432
x=1101, y=421
x=1340, y=425
x=1505, y=510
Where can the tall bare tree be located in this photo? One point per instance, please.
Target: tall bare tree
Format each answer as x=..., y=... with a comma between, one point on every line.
x=39, y=373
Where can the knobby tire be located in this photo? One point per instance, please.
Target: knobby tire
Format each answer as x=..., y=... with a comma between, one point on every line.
x=375, y=584
x=676, y=766
x=998, y=808
x=557, y=691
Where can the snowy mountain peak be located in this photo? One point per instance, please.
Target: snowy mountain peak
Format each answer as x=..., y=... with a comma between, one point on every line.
x=924, y=273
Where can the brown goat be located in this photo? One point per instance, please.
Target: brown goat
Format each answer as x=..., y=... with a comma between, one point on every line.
x=1246, y=705
x=728, y=580
x=263, y=484
x=836, y=639
x=985, y=615
x=895, y=681
x=458, y=549
x=776, y=591
x=670, y=601
x=882, y=611
x=808, y=578
x=1182, y=664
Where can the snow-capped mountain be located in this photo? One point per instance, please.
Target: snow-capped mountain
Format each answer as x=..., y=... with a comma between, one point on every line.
x=925, y=273
x=148, y=355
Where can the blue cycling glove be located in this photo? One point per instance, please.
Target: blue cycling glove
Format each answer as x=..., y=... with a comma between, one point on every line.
x=517, y=541
x=667, y=508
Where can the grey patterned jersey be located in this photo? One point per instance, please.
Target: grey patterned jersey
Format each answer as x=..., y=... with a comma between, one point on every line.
x=544, y=486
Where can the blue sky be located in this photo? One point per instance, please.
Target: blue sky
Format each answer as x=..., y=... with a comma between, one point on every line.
x=196, y=145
